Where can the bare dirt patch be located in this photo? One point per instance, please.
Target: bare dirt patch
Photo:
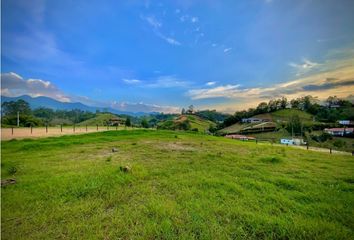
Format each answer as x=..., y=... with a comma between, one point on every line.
x=176, y=147
x=20, y=133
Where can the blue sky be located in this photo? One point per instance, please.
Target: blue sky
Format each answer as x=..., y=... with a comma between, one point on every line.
x=165, y=55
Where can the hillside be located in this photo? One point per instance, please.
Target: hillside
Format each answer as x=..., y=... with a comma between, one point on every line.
x=193, y=122
x=180, y=186
x=285, y=114
x=278, y=117
x=101, y=120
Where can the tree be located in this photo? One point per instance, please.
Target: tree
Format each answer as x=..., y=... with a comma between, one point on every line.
x=128, y=122
x=272, y=105
x=12, y=107
x=294, y=125
x=262, y=108
x=283, y=102
x=144, y=123
x=190, y=109
x=183, y=111
x=295, y=103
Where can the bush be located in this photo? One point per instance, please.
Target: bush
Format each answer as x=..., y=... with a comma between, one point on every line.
x=321, y=138
x=339, y=143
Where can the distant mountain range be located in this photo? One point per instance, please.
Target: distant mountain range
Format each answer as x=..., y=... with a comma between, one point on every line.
x=36, y=102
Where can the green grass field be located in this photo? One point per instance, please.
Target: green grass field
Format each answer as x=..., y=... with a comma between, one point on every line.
x=181, y=186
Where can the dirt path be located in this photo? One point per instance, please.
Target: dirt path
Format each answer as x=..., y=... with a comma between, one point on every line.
x=20, y=133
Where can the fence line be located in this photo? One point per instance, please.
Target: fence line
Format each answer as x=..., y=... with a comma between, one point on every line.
x=29, y=132
x=307, y=146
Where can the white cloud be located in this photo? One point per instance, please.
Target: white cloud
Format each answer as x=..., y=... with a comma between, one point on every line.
x=143, y=107
x=132, y=81
x=168, y=81
x=214, y=45
x=13, y=85
x=227, y=91
x=171, y=41
x=210, y=83
x=304, y=67
x=177, y=11
x=156, y=26
x=194, y=19
x=329, y=80
x=184, y=18
x=227, y=50
x=153, y=22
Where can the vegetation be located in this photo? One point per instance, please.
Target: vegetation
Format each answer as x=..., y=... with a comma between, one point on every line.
x=187, y=122
x=175, y=186
x=333, y=110
x=101, y=119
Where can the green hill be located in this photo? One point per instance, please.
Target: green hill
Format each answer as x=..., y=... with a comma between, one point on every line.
x=180, y=186
x=101, y=120
x=285, y=114
x=278, y=117
x=186, y=122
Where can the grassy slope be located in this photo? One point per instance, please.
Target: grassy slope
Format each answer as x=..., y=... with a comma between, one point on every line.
x=280, y=115
x=200, y=123
x=195, y=122
x=285, y=114
x=182, y=186
x=101, y=119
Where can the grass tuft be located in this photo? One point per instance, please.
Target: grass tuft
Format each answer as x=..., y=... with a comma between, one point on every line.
x=272, y=160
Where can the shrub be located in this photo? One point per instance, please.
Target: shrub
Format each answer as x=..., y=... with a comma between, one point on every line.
x=271, y=160
x=339, y=143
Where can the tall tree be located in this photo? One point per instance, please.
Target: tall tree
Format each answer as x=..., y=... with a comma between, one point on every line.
x=12, y=107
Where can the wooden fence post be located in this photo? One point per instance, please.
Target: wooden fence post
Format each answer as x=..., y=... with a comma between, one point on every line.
x=46, y=128
x=74, y=127
x=12, y=130
x=86, y=128
x=61, y=127
x=330, y=150
x=97, y=127
x=31, y=129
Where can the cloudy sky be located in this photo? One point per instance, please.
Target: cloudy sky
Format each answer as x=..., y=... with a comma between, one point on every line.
x=164, y=55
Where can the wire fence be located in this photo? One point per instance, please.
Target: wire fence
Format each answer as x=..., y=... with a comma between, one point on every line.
x=31, y=132
x=272, y=141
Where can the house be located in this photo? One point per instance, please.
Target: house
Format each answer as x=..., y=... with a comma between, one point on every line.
x=251, y=120
x=298, y=141
x=339, y=131
x=346, y=122
x=286, y=141
x=240, y=137
x=116, y=121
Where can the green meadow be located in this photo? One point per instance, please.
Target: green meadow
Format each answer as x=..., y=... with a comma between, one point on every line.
x=179, y=185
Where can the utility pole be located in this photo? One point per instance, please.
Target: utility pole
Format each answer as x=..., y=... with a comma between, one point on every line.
x=18, y=118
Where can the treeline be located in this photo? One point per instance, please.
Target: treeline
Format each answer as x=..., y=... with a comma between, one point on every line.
x=40, y=116
x=334, y=109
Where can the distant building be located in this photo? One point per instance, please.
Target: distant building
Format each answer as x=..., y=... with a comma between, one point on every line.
x=252, y=120
x=287, y=141
x=339, y=131
x=116, y=121
x=294, y=141
x=346, y=122
x=240, y=137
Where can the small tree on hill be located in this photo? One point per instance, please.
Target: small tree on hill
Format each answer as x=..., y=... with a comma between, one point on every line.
x=128, y=122
x=144, y=123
